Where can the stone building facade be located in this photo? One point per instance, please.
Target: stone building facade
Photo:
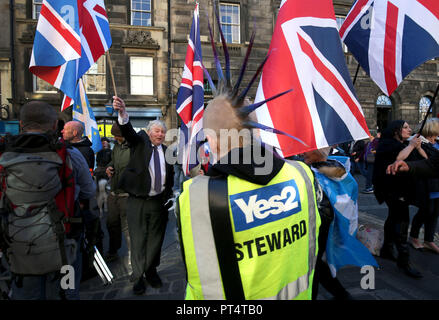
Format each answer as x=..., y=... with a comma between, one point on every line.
x=5, y=56
x=148, y=53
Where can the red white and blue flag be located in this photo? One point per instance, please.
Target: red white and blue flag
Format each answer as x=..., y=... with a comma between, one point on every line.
x=390, y=38
x=190, y=99
x=306, y=55
x=71, y=36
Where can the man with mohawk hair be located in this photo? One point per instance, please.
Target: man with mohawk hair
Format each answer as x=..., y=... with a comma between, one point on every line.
x=249, y=227
x=247, y=233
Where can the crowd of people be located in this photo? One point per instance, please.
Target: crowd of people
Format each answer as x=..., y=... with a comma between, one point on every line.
x=227, y=234
x=391, y=150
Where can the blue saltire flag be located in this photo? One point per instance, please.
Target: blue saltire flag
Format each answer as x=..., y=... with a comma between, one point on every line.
x=343, y=248
x=83, y=113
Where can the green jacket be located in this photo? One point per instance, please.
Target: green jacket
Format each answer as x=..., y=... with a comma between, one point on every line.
x=120, y=156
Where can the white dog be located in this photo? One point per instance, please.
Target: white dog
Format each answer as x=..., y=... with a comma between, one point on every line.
x=101, y=196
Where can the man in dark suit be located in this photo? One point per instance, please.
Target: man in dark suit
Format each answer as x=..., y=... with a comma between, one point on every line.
x=148, y=179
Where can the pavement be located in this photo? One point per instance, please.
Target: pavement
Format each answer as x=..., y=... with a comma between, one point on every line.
x=385, y=283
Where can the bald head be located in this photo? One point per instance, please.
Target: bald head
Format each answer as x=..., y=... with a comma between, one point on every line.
x=73, y=131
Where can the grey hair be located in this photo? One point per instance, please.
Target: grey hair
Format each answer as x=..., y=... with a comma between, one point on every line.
x=156, y=123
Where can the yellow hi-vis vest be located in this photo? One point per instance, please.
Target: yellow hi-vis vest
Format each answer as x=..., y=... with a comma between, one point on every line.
x=275, y=231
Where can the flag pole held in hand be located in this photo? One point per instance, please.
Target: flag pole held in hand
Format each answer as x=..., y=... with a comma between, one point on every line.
x=111, y=71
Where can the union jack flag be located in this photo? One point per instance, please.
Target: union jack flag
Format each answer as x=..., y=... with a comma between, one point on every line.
x=306, y=55
x=70, y=37
x=390, y=38
x=190, y=99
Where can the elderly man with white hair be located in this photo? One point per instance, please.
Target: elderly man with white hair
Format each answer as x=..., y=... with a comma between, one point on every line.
x=148, y=179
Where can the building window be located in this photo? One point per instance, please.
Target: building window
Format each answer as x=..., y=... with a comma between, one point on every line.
x=230, y=22
x=141, y=12
x=41, y=86
x=384, y=112
x=142, y=75
x=424, y=105
x=340, y=21
x=36, y=8
x=207, y=89
x=95, y=78
x=384, y=101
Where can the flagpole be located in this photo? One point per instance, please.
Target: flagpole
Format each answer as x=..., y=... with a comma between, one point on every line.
x=356, y=74
x=429, y=109
x=111, y=71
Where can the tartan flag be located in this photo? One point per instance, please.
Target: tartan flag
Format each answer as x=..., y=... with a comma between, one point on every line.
x=390, y=38
x=190, y=99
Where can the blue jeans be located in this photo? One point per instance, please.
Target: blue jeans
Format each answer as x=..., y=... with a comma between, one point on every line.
x=178, y=178
x=358, y=166
x=45, y=287
x=73, y=294
x=369, y=174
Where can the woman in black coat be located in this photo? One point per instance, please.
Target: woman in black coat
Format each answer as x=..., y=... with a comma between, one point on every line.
x=395, y=191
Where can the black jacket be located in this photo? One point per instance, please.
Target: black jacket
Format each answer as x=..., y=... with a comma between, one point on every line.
x=246, y=171
x=387, y=187
x=425, y=168
x=103, y=157
x=84, y=146
x=136, y=179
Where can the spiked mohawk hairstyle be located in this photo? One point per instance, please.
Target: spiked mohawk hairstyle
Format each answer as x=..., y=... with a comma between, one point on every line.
x=229, y=109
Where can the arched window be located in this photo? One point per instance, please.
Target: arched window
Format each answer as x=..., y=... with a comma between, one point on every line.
x=424, y=105
x=384, y=101
x=384, y=111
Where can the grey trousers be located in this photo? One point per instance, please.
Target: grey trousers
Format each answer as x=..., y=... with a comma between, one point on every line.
x=147, y=221
x=117, y=222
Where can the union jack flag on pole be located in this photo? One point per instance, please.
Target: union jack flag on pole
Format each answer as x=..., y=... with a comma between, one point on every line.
x=190, y=99
x=306, y=55
x=71, y=36
x=390, y=38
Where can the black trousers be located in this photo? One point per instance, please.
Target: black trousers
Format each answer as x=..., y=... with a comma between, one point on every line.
x=426, y=216
x=396, y=227
x=147, y=219
x=322, y=273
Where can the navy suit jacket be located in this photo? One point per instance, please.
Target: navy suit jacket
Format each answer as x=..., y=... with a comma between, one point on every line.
x=136, y=179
